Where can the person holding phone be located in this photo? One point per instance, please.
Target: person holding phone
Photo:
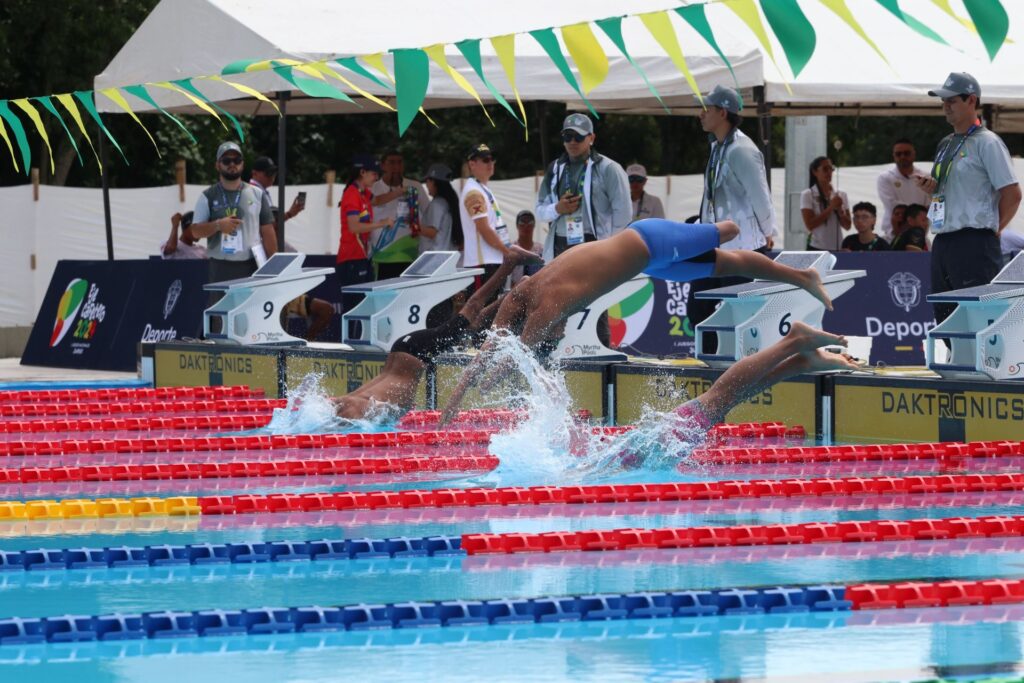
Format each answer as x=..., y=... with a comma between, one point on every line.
x=264, y=177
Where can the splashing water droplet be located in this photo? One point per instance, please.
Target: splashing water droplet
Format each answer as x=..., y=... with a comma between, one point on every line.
x=311, y=411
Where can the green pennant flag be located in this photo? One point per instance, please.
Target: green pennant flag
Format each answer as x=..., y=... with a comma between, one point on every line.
x=239, y=66
x=893, y=6
x=470, y=49
x=989, y=17
x=355, y=67
x=19, y=134
x=547, y=39
x=143, y=94
x=695, y=17
x=186, y=84
x=311, y=86
x=48, y=106
x=84, y=97
x=612, y=28
x=793, y=30
x=412, y=76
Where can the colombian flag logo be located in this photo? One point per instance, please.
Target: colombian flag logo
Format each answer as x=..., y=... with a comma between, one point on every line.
x=68, y=308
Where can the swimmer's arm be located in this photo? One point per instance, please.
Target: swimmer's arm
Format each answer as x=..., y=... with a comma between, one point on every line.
x=468, y=380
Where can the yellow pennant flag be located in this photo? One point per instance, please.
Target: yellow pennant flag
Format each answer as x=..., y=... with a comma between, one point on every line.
x=505, y=48
x=68, y=102
x=10, y=147
x=27, y=107
x=167, y=85
x=436, y=54
x=376, y=60
x=660, y=26
x=944, y=6
x=840, y=8
x=587, y=53
x=115, y=95
x=746, y=10
x=251, y=92
x=328, y=71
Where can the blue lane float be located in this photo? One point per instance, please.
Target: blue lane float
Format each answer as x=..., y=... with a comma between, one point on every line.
x=405, y=615
x=228, y=553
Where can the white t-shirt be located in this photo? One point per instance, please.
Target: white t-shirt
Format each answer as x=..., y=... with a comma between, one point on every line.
x=648, y=206
x=895, y=188
x=828, y=235
x=476, y=201
x=438, y=216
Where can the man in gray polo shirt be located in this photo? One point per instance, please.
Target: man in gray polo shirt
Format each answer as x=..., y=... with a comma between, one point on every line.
x=974, y=194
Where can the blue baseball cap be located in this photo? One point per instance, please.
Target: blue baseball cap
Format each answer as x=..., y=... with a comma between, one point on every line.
x=366, y=162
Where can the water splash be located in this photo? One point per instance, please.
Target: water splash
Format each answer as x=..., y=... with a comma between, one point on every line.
x=551, y=447
x=311, y=411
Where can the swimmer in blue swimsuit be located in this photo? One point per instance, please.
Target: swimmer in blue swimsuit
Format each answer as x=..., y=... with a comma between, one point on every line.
x=538, y=309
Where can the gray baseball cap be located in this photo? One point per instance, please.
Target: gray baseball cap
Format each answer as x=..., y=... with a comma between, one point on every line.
x=226, y=147
x=725, y=98
x=957, y=83
x=580, y=123
x=438, y=172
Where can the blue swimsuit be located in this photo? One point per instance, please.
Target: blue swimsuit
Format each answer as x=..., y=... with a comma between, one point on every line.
x=681, y=252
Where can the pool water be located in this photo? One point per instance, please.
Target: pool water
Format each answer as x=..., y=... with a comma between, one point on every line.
x=957, y=643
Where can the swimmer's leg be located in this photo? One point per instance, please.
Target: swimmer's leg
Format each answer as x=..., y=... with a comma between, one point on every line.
x=759, y=371
x=475, y=304
x=743, y=263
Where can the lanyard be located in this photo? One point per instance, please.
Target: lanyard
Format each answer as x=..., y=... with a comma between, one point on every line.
x=639, y=206
x=714, y=167
x=944, y=162
x=230, y=211
x=564, y=175
x=493, y=201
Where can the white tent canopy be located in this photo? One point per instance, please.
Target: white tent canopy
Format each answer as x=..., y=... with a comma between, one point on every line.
x=187, y=38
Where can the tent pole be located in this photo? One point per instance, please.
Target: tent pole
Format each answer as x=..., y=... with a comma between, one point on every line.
x=764, y=128
x=282, y=169
x=105, y=180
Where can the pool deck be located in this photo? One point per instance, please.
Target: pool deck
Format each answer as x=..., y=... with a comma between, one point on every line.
x=12, y=371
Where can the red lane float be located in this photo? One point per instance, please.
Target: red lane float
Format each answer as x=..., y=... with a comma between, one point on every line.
x=904, y=451
x=83, y=408
x=129, y=394
x=744, y=535
x=137, y=424
x=916, y=594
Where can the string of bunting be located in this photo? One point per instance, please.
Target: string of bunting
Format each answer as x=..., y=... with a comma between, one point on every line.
x=326, y=78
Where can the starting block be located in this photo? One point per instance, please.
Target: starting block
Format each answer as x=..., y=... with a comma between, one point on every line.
x=986, y=331
x=250, y=312
x=393, y=308
x=580, y=341
x=755, y=315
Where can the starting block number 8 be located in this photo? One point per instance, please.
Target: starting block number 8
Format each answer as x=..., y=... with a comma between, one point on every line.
x=414, y=314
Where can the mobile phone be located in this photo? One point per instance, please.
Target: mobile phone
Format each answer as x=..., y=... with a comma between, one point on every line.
x=301, y=198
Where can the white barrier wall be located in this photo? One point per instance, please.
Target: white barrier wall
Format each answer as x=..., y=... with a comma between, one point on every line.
x=67, y=223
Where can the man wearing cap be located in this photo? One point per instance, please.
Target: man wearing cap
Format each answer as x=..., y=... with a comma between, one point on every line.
x=644, y=205
x=235, y=218
x=402, y=199
x=484, y=230
x=526, y=223
x=264, y=177
x=735, y=188
x=974, y=194
x=584, y=195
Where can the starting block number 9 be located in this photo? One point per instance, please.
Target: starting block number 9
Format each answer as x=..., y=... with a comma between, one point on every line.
x=268, y=308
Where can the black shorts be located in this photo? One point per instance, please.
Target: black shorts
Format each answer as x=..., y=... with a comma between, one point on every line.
x=426, y=345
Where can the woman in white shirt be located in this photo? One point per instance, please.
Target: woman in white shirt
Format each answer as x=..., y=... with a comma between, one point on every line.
x=441, y=225
x=826, y=211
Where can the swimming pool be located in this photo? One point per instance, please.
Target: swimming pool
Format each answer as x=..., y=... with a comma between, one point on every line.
x=727, y=568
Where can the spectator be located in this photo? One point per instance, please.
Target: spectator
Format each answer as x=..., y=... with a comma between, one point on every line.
x=914, y=236
x=235, y=218
x=897, y=185
x=864, y=223
x=353, y=264
x=184, y=247
x=525, y=225
x=644, y=205
x=826, y=211
x=735, y=183
x=974, y=193
x=584, y=195
x=316, y=312
x=897, y=220
x=1010, y=242
x=403, y=200
x=264, y=177
x=441, y=226
x=484, y=229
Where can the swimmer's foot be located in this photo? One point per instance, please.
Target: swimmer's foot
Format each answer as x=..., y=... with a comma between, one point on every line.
x=517, y=256
x=810, y=338
x=826, y=361
x=810, y=280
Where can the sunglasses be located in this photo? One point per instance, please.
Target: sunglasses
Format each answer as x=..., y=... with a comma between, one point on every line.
x=637, y=179
x=485, y=159
x=231, y=161
x=572, y=136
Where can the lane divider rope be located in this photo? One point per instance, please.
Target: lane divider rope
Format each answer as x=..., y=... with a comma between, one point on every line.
x=238, y=405
x=601, y=607
x=128, y=394
x=853, y=453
